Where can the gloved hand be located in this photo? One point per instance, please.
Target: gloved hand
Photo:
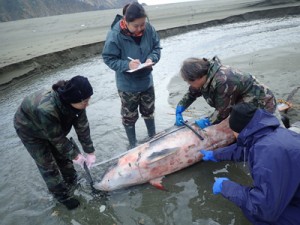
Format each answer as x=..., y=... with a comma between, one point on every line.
x=79, y=160
x=204, y=122
x=208, y=155
x=217, y=188
x=179, y=119
x=90, y=159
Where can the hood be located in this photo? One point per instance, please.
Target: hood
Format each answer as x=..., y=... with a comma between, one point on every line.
x=215, y=65
x=116, y=20
x=261, y=124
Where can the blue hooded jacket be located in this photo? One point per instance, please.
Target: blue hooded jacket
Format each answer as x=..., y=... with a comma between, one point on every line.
x=118, y=47
x=273, y=156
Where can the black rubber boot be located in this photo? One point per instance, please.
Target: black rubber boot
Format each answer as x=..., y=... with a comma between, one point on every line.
x=130, y=132
x=69, y=202
x=150, y=124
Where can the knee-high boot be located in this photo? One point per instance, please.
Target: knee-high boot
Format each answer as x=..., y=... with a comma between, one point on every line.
x=150, y=124
x=130, y=132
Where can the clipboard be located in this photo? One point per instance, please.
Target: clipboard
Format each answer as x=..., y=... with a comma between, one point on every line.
x=141, y=66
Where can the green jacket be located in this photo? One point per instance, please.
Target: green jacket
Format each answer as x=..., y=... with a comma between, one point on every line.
x=118, y=47
x=43, y=117
x=225, y=87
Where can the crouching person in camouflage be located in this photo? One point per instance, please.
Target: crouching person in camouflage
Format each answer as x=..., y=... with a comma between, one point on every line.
x=222, y=87
x=43, y=121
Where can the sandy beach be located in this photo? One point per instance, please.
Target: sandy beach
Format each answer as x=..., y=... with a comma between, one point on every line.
x=34, y=45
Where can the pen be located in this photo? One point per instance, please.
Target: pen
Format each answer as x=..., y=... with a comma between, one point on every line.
x=131, y=59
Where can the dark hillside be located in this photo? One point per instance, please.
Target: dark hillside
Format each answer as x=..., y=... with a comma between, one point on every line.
x=25, y=9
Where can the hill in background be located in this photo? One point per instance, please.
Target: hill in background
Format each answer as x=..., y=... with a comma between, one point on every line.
x=25, y=9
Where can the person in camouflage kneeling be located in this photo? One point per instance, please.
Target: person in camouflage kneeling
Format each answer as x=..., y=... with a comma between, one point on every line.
x=222, y=87
x=43, y=121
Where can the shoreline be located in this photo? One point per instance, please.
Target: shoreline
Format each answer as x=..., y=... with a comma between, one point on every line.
x=18, y=70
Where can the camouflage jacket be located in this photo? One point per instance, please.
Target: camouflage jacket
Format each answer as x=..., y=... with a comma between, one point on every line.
x=225, y=87
x=42, y=116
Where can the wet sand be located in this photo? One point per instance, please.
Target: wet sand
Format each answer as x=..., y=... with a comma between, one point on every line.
x=34, y=45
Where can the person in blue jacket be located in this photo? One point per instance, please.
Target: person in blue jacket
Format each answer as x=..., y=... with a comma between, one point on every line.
x=131, y=42
x=273, y=156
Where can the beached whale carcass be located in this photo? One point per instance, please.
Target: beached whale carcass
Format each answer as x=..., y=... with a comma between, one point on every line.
x=166, y=153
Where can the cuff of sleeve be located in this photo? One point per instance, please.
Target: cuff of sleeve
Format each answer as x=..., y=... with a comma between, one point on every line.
x=89, y=149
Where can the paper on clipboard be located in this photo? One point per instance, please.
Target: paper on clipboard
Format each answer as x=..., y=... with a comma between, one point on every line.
x=141, y=66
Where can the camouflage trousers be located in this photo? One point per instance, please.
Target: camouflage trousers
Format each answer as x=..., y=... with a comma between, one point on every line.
x=134, y=101
x=56, y=169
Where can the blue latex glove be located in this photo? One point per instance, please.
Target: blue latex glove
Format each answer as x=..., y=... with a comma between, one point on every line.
x=204, y=122
x=208, y=155
x=217, y=188
x=179, y=119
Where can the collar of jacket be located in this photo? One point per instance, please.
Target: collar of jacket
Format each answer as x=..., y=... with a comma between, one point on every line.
x=116, y=28
x=213, y=69
x=66, y=109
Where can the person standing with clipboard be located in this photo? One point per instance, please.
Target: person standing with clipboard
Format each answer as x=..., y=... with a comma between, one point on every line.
x=131, y=42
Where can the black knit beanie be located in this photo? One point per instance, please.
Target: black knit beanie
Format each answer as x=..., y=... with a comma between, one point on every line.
x=75, y=90
x=240, y=116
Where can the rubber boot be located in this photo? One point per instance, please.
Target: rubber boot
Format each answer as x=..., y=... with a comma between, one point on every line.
x=150, y=124
x=69, y=202
x=130, y=132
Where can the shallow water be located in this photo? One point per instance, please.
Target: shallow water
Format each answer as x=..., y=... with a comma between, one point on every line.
x=189, y=199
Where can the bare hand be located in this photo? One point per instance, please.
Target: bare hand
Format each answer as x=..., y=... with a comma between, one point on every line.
x=133, y=64
x=149, y=61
